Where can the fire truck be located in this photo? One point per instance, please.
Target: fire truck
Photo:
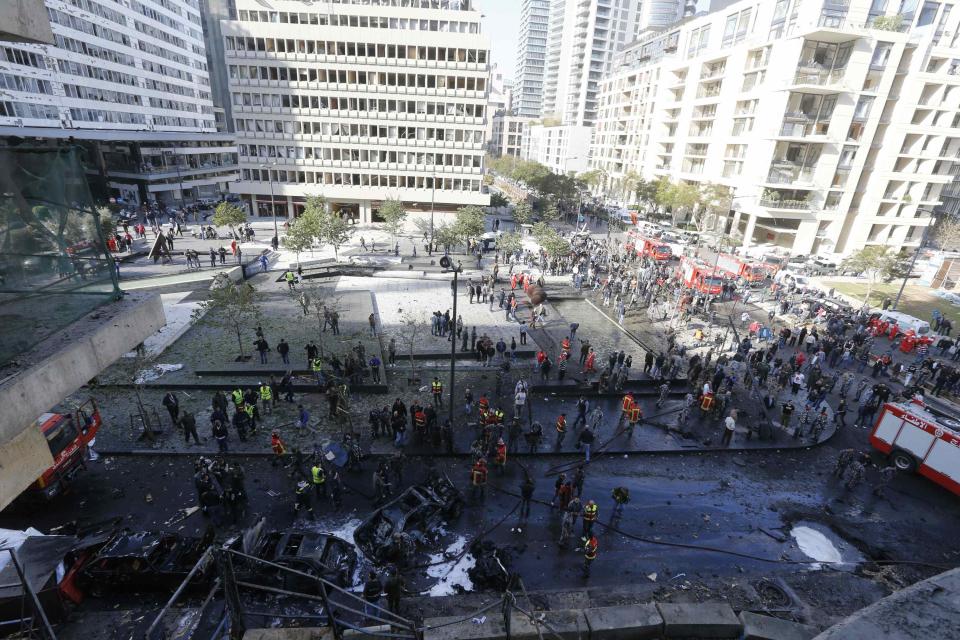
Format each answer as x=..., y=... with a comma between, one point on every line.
x=700, y=277
x=918, y=441
x=69, y=436
x=751, y=272
x=653, y=248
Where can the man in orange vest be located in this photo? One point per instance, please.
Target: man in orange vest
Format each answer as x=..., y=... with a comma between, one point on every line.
x=565, y=344
x=501, y=459
x=626, y=405
x=706, y=402
x=589, y=554
x=636, y=415
x=478, y=477
x=279, y=448
x=561, y=429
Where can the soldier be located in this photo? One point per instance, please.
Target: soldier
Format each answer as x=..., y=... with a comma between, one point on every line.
x=887, y=475
x=526, y=494
x=857, y=472
x=664, y=390
x=843, y=461
x=786, y=413
x=533, y=436
x=394, y=588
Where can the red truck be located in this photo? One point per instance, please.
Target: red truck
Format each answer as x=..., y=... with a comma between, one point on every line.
x=653, y=248
x=751, y=272
x=69, y=436
x=918, y=441
x=700, y=277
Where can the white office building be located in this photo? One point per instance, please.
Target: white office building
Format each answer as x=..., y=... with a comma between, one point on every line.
x=531, y=56
x=508, y=134
x=123, y=77
x=563, y=148
x=359, y=101
x=834, y=124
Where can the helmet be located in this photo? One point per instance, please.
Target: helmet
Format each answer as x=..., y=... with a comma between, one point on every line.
x=590, y=502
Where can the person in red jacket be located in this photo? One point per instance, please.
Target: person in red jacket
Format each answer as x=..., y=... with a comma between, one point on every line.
x=278, y=446
x=478, y=477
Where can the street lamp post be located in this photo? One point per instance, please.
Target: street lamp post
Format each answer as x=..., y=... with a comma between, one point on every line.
x=433, y=192
x=273, y=206
x=447, y=263
x=916, y=254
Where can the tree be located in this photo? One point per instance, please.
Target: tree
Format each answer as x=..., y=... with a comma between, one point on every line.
x=498, y=200
x=715, y=201
x=522, y=213
x=628, y=185
x=555, y=245
x=233, y=306
x=470, y=223
x=300, y=236
x=871, y=263
x=593, y=178
x=411, y=324
x=335, y=230
x=549, y=212
x=447, y=236
x=680, y=198
x=509, y=242
x=394, y=215
x=646, y=191
x=318, y=301
x=947, y=234
x=228, y=215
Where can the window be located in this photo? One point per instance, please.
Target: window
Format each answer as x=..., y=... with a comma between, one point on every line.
x=928, y=13
x=862, y=110
x=881, y=55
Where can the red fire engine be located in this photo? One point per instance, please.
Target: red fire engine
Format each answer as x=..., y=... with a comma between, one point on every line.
x=653, y=248
x=69, y=437
x=754, y=273
x=916, y=440
x=699, y=277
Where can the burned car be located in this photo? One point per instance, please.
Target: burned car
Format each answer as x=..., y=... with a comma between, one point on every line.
x=146, y=561
x=315, y=554
x=391, y=532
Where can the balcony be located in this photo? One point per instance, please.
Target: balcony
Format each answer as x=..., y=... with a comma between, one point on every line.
x=822, y=78
x=804, y=129
x=786, y=172
x=796, y=205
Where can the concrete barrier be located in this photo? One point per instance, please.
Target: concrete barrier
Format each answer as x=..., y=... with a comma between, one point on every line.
x=699, y=620
x=758, y=627
x=626, y=622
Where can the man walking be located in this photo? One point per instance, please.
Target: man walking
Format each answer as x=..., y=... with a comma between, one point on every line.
x=189, y=424
x=172, y=404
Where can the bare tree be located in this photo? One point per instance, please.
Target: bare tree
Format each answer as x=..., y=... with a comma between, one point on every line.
x=318, y=301
x=411, y=324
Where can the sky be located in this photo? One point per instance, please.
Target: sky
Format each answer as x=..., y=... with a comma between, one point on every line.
x=501, y=23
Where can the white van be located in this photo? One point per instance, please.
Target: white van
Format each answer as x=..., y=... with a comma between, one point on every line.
x=907, y=322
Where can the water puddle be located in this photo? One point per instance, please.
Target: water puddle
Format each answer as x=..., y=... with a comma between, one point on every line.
x=819, y=543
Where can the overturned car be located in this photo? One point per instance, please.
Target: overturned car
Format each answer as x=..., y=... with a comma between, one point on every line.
x=391, y=532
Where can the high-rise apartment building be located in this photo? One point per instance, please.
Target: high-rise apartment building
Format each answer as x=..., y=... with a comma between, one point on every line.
x=131, y=80
x=531, y=56
x=358, y=101
x=835, y=125
x=507, y=136
x=584, y=37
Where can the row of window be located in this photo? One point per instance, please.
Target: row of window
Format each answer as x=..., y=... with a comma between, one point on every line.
x=90, y=28
x=99, y=10
x=361, y=49
x=23, y=58
x=323, y=128
x=369, y=105
x=364, y=22
x=344, y=76
x=174, y=105
x=167, y=87
x=360, y=180
x=9, y=109
x=92, y=50
x=160, y=34
x=361, y=155
x=163, y=52
x=162, y=18
x=101, y=115
x=173, y=72
x=97, y=73
x=177, y=121
x=104, y=95
x=11, y=82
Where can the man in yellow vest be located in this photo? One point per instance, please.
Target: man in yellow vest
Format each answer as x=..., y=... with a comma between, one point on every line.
x=437, y=387
x=291, y=279
x=316, y=366
x=237, y=396
x=319, y=476
x=251, y=411
x=590, y=513
x=266, y=397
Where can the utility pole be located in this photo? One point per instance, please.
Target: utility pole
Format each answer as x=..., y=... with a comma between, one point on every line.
x=433, y=192
x=447, y=263
x=916, y=254
x=273, y=206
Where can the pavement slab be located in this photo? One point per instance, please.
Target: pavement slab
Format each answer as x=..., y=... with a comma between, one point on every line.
x=699, y=620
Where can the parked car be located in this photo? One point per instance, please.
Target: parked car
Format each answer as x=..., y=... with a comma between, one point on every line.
x=145, y=561
x=417, y=511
